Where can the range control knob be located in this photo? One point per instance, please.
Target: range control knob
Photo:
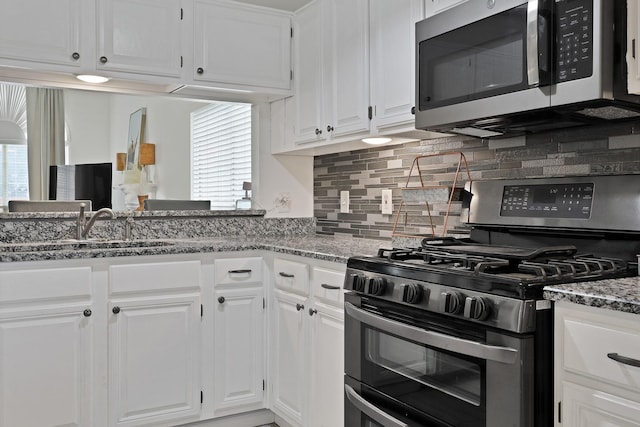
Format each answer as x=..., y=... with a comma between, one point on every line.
x=357, y=282
x=451, y=302
x=412, y=293
x=377, y=286
x=476, y=308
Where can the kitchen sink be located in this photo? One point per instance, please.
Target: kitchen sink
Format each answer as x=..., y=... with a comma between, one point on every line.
x=72, y=244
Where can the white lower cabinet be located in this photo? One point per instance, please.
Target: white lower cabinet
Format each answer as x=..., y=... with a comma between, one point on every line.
x=308, y=343
x=154, y=343
x=597, y=378
x=289, y=356
x=46, y=347
x=239, y=327
x=327, y=360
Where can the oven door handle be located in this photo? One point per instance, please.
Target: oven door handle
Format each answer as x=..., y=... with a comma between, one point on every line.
x=371, y=410
x=435, y=339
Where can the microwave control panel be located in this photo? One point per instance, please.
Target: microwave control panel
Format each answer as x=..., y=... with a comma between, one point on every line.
x=571, y=201
x=574, y=39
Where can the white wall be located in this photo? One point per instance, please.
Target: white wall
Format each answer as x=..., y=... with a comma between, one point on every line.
x=99, y=124
x=88, y=118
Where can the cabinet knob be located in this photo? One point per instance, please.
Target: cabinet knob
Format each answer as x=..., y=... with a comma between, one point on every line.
x=318, y=131
x=115, y=310
x=221, y=300
x=103, y=59
x=299, y=307
x=200, y=70
x=87, y=313
x=75, y=55
x=413, y=110
x=312, y=311
x=329, y=128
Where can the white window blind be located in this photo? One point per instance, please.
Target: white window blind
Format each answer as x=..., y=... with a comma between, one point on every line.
x=220, y=153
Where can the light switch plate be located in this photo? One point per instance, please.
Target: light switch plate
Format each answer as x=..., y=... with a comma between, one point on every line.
x=387, y=203
x=344, y=202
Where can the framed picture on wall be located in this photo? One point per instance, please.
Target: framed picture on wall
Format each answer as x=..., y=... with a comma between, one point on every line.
x=136, y=137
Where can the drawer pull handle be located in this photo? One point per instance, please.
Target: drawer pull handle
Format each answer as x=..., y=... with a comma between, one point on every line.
x=239, y=271
x=299, y=307
x=283, y=274
x=333, y=288
x=624, y=360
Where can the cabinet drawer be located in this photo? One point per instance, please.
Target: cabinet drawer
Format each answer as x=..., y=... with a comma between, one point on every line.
x=586, y=346
x=291, y=276
x=237, y=270
x=154, y=276
x=45, y=284
x=327, y=285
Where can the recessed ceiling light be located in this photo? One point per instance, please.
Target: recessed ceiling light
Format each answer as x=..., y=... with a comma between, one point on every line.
x=376, y=140
x=89, y=78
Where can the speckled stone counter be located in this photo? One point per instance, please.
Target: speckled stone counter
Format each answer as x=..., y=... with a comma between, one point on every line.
x=307, y=245
x=614, y=294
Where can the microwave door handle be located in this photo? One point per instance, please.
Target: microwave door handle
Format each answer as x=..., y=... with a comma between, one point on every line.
x=435, y=339
x=370, y=410
x=533, y=74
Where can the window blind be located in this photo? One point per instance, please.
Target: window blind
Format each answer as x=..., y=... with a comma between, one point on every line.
x=220, y=153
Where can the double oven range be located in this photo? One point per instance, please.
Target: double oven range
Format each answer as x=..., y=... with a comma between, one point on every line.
x=456, y=332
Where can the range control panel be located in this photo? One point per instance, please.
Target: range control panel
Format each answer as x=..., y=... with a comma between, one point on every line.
x=574, y=39
x=572, y=201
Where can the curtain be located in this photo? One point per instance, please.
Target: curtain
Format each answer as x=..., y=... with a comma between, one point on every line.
x=45, y=137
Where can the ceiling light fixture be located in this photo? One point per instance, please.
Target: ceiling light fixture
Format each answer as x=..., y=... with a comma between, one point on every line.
x=89, y=78
x=378, y=140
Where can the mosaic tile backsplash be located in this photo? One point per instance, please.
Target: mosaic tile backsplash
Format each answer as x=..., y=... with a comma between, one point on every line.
x=365, y=173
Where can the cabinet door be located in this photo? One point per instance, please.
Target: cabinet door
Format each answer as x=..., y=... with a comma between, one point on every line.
x=327, y=367
x=240, y=45
x=45, y=367
x=41, y=30
x=154, y=359
x=585, y=407
x=307, y=78
x=139, y=36
x=393, y=61
x=238, y=350
x=46, y=347
x=289, y=356
x=346, y=61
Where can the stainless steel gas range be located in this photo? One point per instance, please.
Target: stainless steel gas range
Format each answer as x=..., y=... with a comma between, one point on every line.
x=455, y=332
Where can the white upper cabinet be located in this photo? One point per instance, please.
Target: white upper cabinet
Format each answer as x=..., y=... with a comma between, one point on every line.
x=393, y=61
x=331, y=76
x=43, y=31
x=346, y=66
x=241, y=45
x=139, y=36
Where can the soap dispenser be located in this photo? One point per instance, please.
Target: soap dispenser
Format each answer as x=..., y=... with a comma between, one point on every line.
x=245, y=202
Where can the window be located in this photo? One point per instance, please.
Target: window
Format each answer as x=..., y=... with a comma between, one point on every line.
x=220, y=153
x=14, y=177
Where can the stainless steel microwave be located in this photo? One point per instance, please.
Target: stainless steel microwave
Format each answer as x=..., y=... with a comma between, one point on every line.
x=503, y=67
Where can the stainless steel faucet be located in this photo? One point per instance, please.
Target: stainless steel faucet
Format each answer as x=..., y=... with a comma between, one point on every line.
x=83, y=227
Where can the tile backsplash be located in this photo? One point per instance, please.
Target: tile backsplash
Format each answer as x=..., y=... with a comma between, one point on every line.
x=365, y=173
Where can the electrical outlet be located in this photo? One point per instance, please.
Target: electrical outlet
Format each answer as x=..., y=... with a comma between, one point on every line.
x=387, y=202
x=344, y=202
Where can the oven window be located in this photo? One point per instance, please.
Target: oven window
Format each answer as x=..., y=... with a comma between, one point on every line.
x=454, y=376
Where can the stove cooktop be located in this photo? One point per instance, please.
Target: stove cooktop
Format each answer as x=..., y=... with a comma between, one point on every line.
x=510, y=275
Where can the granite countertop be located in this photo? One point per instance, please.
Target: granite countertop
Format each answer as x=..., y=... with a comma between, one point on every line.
x=320, y=247
x=622, y=294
